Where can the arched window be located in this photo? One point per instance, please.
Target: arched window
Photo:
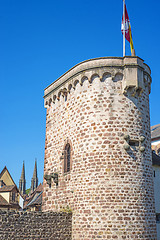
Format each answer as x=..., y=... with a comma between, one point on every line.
x=67, y=158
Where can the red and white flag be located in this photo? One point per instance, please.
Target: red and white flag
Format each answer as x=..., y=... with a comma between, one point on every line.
x=126, y=28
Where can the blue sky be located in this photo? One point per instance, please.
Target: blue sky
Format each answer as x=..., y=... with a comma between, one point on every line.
x=39, y=41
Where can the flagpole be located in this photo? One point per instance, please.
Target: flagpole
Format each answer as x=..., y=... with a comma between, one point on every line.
x=124, y=32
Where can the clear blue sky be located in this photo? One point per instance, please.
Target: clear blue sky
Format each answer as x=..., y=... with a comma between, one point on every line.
x=39, y=41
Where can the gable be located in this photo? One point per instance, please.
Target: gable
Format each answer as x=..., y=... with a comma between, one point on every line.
x=6, y=177
x=3, y=201
x=5, y=195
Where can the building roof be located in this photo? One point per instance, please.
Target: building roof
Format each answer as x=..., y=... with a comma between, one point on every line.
x=155, y=159
x=8, y=188
x=36, y=201
x=39, y=188
x=155, y=132
x=5, y=170
x=3, y=202
x=33, y=195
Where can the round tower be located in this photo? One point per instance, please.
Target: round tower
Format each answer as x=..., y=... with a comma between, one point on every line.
x=98, y=149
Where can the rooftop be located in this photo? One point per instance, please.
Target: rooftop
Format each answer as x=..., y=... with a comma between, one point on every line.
x=155, y=132
x=36, y=201
x=7, y=188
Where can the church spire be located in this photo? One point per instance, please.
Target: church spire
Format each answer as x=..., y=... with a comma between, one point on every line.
x=23, y=172
x=34, y=181
x=22, y=181
x=35, y=169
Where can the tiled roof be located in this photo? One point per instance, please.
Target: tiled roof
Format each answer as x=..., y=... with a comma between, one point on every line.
x=3, y=202
x=37, y=200
x=7, y=188
x=33, y=196
x=155, y=131
x=39, y=188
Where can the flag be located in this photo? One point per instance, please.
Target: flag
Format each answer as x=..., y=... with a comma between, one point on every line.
x=126, y=26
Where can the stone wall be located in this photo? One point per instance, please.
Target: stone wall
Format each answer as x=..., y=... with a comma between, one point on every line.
x=35, y=225
x=94, y=106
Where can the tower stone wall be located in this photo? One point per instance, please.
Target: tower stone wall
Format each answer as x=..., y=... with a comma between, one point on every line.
x=101, y=108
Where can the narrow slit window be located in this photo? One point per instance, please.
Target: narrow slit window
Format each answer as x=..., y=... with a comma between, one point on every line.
x=154, y=174
x=67, y=158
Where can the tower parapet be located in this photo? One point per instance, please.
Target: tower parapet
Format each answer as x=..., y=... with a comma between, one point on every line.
x=97, y=150
x=136, y=76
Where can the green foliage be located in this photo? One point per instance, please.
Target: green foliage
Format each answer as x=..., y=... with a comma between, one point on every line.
x=28, y=191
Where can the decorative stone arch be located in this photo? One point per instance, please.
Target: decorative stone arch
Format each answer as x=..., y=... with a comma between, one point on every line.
x=105, y=76
x=64, y=93
x=67, y=156
x=54, y=98
x=84, y=78
x=69, y=87
x=50, y=101
x=75, y=83
x=95, y=75
x=59, y=95
x=118, y=77
x=46, y=103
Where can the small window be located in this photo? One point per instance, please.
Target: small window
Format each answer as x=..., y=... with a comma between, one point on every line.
x=154, y=173
x=13, y=197
x=67, y=157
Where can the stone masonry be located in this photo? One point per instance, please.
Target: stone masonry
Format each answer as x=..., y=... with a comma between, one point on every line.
x=16, y=225
x=101, y=108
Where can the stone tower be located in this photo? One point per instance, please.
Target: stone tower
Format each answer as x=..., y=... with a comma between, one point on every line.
x=97, y=150
x=34, y=181
x=22, y=181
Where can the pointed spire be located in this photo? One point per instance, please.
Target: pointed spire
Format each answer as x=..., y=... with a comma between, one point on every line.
x=22, y=181
x=34, y=181
x=23, y=172
x=35, y=169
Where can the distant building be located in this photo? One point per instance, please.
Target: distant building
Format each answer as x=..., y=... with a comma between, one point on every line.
x=33, y=198
x=156, y=178
x=22, y=182
x=155, y=145
x=5, y=177
x=155, y=138
x=34, y=181
x=34, y=201
x=10, y=197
